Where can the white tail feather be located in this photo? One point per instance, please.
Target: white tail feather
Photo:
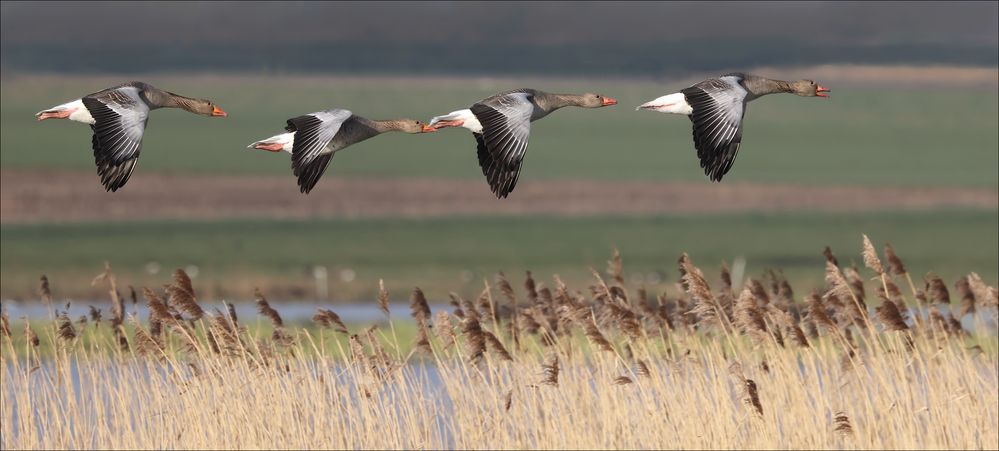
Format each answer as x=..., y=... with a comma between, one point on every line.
x=287, y=140
x=469, y=120
x=79, y=113
x=673, y=103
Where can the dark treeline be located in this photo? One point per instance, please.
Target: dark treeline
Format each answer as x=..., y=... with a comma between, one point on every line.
x=463, y=37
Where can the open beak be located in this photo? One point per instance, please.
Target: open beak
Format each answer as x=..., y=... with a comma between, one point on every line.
x=427, y=129
x=819, y=91
x=609, y=101
x=216, y=111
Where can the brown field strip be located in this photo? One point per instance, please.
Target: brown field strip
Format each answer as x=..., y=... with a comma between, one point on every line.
x=29, y=196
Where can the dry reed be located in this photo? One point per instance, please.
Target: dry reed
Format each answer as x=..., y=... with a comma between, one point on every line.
x=666, y=388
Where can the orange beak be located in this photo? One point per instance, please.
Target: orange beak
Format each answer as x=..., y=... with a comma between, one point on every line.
x=427, y=129
x=608, y=101
x=216, y=111
x=820, y=89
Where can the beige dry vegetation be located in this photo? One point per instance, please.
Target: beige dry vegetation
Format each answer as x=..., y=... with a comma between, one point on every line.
x=542, y=366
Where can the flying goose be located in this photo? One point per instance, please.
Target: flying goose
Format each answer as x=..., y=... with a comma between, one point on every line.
x=501, y=125
x=322, y=134
x=716, y=107
x=118, y=118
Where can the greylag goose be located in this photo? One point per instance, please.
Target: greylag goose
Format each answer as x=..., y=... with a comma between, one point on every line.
x=312, y=139
x=118, y=118
x=501, y=125
x=716, y=107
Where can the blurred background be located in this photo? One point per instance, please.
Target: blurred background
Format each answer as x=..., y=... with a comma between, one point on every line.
x=906, y=150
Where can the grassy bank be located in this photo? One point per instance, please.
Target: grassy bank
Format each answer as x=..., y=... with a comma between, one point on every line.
x=446, y=254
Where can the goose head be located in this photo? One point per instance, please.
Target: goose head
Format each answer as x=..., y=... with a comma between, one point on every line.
x=809, y=88
x=591, y=100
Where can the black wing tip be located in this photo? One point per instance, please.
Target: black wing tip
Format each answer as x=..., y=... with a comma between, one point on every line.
x=716, y=168
x=306, y=182
x=499, y=190
x=115, y=177
x=309, y=174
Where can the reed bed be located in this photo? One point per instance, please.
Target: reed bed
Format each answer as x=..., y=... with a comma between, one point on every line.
x=870, y=360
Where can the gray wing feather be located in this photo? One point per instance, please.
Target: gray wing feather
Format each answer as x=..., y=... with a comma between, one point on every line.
x=719, y=105
x=313, y=133
x=506, y=131
x=120, y=117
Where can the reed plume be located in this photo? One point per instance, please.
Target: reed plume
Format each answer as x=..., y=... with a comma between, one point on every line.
x=830, y=257
x=840, y=288
x=231, y=311
x=748, y=318
x=44, y=291
x=759, y=292
x=726, y=278
x=227, y=336
x=145, y=344
x=29, y=335
x=551, y=370
x=475, y=341
x=422, y=343
x=181, y=295
x=532, y=288
x=642, y=369
x=871, y=259
x=379, y=355
x=747, y=389
x=890, y=316
x=264, y=309
x=419, y=307
x=329, y=319
x=66, y=331
x=444, y=329
x=615, y=268
x=158, y=310
x=984, y=294
x=967, y=297
x=841, y=424
x=707, y=307
x=95, y=315
x=506, y=289
x=5, y=325
x=856, y=282
x=117, y=303
x=895, y=265
x=622, y=380
x=937, y=289
x=133, y=296
x=383, y=298
x=787, y=322
x=463, y=307
x=494, y=345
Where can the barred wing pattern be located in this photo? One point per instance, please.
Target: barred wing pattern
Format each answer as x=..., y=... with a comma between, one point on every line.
x=506, y=130
x=310, y=154
x=719, y=105
x=120, y=117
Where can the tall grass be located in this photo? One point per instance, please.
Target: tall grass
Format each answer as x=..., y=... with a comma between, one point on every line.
x=710, y=366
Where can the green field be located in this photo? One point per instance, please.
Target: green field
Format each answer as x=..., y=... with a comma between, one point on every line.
x=445, y=254
x=862, y=135
x=873, y=135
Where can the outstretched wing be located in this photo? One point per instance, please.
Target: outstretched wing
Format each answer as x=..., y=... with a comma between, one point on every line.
x=506, y=129
x=120, y=118
x=719, y=105
x=309, y=153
